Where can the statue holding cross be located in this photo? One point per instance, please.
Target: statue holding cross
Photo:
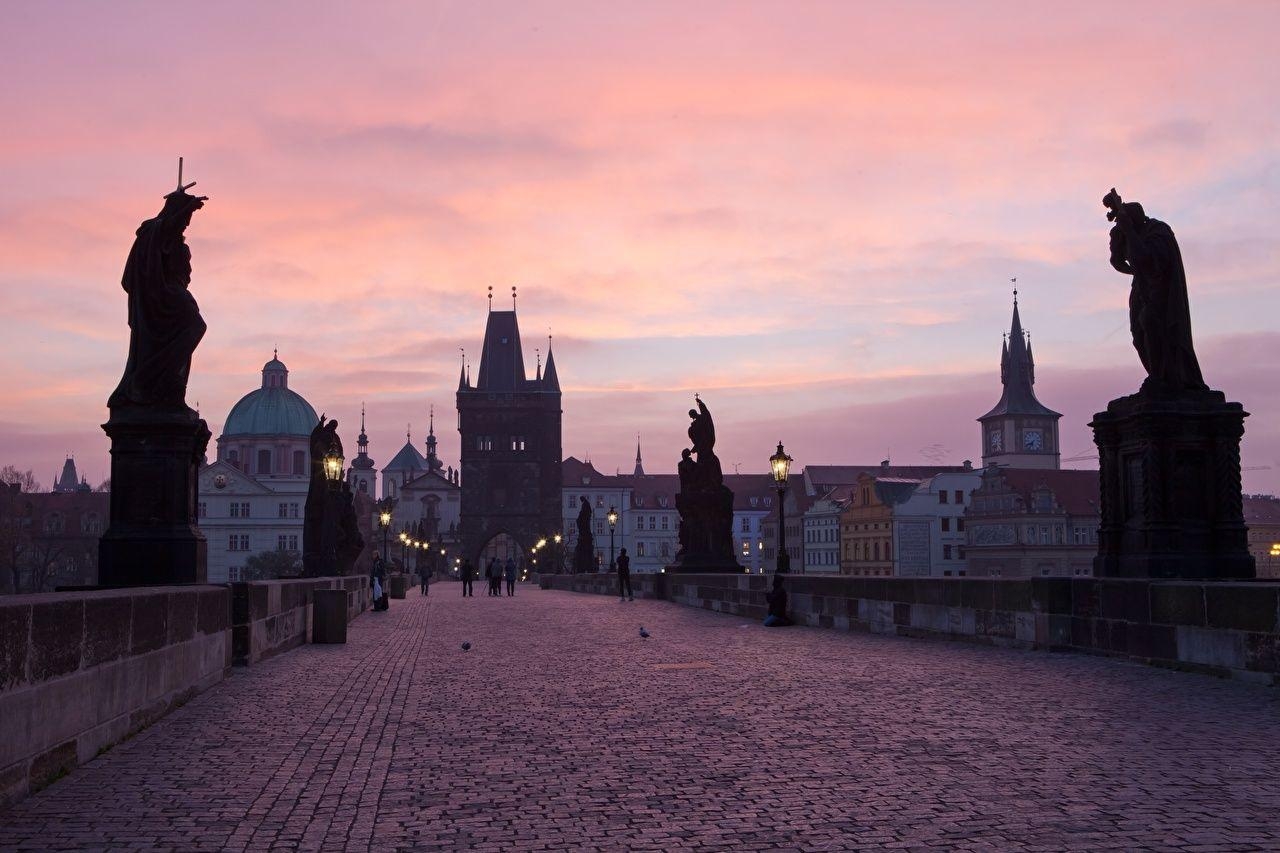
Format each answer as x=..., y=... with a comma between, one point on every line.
x=165, y=325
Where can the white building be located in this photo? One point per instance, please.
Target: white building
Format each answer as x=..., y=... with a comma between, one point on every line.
x=928, y=527
x=252, y=498
x=822, y=533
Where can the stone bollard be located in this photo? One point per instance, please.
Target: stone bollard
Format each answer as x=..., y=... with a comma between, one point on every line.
x=329, y=616
x=399, y=586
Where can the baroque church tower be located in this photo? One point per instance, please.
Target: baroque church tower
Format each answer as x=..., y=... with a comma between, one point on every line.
x=510, y=457
x=362, y=473
x=1020, y=432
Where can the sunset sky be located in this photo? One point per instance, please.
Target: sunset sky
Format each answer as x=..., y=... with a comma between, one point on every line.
x=808, y=213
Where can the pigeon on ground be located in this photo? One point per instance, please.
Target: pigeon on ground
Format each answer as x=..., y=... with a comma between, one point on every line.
x=643, y=633
x=466, y=647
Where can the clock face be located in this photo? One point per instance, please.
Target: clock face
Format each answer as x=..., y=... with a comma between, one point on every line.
x=996, y=440
x=1033, y=439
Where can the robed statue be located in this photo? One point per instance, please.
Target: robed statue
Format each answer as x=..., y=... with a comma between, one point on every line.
x=704, y=502
x=584, y=558
x=1159, y=312
x=165, y=325
x=331, y=539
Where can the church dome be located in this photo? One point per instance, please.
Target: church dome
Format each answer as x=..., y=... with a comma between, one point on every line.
x=272, y=409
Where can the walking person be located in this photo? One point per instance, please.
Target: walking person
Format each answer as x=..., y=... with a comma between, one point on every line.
x=510, y=572
x=467, y=574
x=425, y=577
x=624, y=577
x=490, y=569
x=378, y=583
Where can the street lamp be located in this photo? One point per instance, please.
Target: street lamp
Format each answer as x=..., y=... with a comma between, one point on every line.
x=384, y=521
x=333, y=466
x=404, y=542
x=613, y=522
x=780, y=465
x=559, y=562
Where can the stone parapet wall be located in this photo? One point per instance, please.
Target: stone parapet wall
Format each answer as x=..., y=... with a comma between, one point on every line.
x=82, y=671
x=1222, y=628
x=270, y=617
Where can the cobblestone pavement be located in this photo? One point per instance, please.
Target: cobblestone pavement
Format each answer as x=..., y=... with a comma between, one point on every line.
x=563, y=729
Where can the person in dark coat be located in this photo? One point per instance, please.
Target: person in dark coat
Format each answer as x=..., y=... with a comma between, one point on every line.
x=624, y=577
x=379, y=573
x=509, y=571
x=467, y=574
x=424, y=575
x=777, y=599
x=492, y=573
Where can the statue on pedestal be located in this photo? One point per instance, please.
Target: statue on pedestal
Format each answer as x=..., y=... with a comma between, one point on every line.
x=157, y=442
x=705, y=503
x=331, y=539
x=1169, y=455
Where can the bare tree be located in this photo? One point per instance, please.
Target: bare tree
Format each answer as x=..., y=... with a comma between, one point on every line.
x=25, y=480
x=104, y=486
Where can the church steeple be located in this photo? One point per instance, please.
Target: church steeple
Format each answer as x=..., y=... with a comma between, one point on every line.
x=1019, y=431
x=433, y=461
x=361, y=472
x=639, y=472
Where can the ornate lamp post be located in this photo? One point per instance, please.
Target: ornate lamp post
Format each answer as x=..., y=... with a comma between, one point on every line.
x=404, y=543
x=613, y=522
x=559, y=561
x=384, y=521
x=780, y=466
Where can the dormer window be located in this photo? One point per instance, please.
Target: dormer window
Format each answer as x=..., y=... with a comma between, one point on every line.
x=755, y=500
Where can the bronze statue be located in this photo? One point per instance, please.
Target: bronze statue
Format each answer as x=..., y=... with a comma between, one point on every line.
x=165, y=325
x=705, y=503
x=584, y=559
x=324, y=525
x=1159, y=313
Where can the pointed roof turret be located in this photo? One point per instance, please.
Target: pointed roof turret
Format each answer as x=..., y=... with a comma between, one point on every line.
x=550, y=379
x=1017, y=374
x=69, y=481
x=433, y=461
x=639, y=472
x=362, y=462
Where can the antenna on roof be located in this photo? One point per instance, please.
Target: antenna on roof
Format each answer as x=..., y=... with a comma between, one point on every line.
x=513, y=297
x=491, y=297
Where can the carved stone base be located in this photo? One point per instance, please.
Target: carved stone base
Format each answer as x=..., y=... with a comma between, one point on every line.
x=1170, y=487
x=153, y=537
x=706, y=531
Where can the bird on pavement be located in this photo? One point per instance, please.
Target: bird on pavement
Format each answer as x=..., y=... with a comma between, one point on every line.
x=466, y=647
x=643, y=633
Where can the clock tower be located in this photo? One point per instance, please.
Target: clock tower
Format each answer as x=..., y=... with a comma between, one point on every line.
x=1019, y=432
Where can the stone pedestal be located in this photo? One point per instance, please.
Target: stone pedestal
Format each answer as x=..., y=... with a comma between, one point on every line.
x=153, y=537
x=329, y=616
x=1170, y=488
x=399, y=585
x=706, y=531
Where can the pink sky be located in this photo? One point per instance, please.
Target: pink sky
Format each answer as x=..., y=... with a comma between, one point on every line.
x=809, y=213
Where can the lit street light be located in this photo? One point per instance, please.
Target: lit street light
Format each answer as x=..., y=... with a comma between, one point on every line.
x=780, y=466
x=613, y=522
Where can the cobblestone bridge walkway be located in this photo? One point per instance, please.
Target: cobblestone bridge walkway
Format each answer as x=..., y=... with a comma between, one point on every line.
x=562, y=729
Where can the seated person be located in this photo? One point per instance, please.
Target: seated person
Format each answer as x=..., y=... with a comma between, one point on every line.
x=777, y=598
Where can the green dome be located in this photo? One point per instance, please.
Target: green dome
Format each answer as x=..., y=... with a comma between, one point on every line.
x=272, y=409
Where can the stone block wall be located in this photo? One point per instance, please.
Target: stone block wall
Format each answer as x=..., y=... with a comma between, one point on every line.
x=270, y=617
x=1223, y=628
x=82, y=671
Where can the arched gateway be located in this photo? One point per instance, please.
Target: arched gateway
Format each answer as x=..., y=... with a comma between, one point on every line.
x=502, y=546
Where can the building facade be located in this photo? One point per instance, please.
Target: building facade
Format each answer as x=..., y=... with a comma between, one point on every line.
x=252, y=497
x=510, y=428
x=1262, y=514
x=50, y=539
x=1033, y=523
x=822, y=534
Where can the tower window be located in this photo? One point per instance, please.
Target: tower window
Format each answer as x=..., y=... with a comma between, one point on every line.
x=264, y=461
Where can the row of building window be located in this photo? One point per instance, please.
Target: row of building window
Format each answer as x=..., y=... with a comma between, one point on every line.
x=516, y=443
x=241, y=509
x=265, y=462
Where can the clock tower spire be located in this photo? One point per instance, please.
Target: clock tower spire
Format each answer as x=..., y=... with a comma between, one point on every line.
x=1020, y=432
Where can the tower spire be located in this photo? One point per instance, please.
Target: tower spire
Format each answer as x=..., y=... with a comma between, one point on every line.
x=639, y=472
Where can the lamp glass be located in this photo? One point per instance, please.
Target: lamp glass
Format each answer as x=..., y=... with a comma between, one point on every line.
x=780, y=464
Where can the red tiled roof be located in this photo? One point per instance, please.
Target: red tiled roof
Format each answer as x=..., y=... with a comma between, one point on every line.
x=1076, y=491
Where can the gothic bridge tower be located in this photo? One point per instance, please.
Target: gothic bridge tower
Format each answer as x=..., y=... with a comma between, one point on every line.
x=510, y=459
